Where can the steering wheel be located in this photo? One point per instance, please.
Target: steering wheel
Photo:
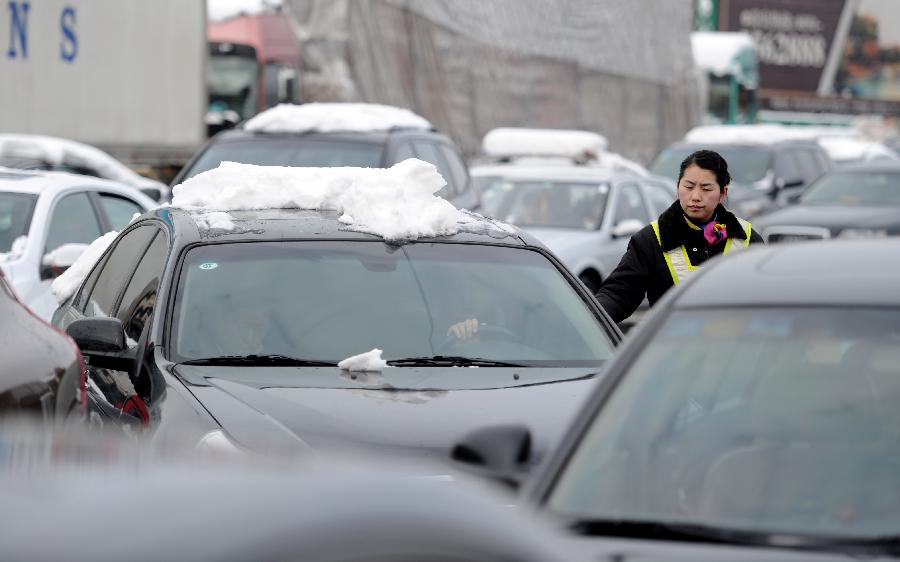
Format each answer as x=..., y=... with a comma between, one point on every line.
x=488, y=332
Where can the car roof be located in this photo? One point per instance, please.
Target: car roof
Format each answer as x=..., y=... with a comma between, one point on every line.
x=884, y=166
x=191, y=226
x=555, y=172
x=39, y=181
x=831, y=273
x=771, y=146
x=374, y=137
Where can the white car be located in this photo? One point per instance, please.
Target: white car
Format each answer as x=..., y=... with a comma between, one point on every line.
x=40, y=152
x=48, y=218
x=583, y=214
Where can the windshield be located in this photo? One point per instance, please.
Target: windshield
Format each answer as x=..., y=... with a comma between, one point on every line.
x=746, y=164
x=233, y=84
x=559, y=204
x=328, y=301
x=15, y=216
x=855, y=189
x=769, y=420
x=295, y=152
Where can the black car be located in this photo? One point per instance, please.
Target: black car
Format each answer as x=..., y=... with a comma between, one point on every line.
x=42, y=370
x=234, y=335
x=860, y=201
x=753, y=413
x=764, y=176
x=364, y=149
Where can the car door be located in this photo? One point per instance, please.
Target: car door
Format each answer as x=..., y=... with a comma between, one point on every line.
x=72, y=220
x=628, y=204
x=112, y=393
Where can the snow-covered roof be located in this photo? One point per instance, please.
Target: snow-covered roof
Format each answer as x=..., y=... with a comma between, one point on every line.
x=396, y=203
x=58, y=151
x=849, y=149
x=515, y=141
x=543, y=172
x=717, y=51
x=332, y=117
x=761, y=134
x=37, y=182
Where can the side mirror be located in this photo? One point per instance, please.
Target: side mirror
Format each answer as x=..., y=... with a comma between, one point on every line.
x=54, y=263
x=152, y=192
x=102, y=342
x=501, y=453
x=627, y=228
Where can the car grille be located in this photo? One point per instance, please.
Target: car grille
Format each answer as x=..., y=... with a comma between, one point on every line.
x=779, y=235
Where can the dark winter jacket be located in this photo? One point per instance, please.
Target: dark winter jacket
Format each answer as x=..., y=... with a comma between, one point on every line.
x=643, y=269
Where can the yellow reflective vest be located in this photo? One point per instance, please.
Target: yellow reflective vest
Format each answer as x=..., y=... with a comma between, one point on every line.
x=679, y=263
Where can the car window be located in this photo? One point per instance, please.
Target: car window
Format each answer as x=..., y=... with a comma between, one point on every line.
x=660, y=197
x=772, y=420
x=557, y=204
x=404, y=300
x=457, y=168
x=629, y=205
x=119, y=210
x=786, y=167
x=15, y=217
x=270, y=83
x=116, y=271
x=806, y=162
x=404, y=151
x=855, y=189
x=299, y=152
x=72, y=221
x=427, y=151
x=140, y=296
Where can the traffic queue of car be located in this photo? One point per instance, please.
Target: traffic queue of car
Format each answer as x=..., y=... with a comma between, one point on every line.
x=312, y=298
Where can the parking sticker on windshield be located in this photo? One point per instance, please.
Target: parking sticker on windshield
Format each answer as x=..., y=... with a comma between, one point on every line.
x=209, y=265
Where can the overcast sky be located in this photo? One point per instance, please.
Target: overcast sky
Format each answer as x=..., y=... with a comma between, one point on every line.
x=221, y=9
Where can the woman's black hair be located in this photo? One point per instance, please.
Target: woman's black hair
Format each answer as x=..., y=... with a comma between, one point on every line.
x=708, y=160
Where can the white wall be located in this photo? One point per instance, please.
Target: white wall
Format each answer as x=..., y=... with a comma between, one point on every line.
x=105, y=72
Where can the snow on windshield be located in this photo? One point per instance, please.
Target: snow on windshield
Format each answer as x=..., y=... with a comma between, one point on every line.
x=328, y=117
x=368, y=361
x=396, y=203
x=66, y=284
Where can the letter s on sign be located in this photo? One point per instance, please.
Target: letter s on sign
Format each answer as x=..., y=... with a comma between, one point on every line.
x=68, y=48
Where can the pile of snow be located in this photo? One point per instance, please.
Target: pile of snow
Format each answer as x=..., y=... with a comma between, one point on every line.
x=368, y=361
x=66, y=284
x=329, y=117
x=742, y=134
x=15, y=251
x=396, y=203
x=57, y=151
x=848, y=149
x=64, y=256
x=569, y=143
x=716, y=51
x=217, y=220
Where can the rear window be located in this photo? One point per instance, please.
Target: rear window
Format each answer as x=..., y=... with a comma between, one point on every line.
x=301, y=153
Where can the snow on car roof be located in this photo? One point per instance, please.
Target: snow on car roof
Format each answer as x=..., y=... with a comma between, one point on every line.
x=38, y=181
x=58, y=151
x=332, y=117
x=515, y=141
x=848, y=149
x=396, y=203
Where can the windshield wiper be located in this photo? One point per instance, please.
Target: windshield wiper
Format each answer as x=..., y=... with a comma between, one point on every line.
x=273, y=360
x=451, y=361
x=698, y=532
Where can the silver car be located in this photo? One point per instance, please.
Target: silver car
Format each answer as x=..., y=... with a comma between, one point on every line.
x=583, y=214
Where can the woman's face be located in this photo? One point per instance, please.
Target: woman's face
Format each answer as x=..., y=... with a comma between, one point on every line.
x=699, y=193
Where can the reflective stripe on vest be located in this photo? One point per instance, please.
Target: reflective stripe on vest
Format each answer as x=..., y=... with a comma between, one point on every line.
x=678, y=262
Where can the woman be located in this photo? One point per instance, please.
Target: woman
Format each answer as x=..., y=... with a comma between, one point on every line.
x=695, y=228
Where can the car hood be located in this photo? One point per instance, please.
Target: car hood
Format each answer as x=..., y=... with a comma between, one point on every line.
x=558, y=240
x=834, y=218
x=423, y=411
